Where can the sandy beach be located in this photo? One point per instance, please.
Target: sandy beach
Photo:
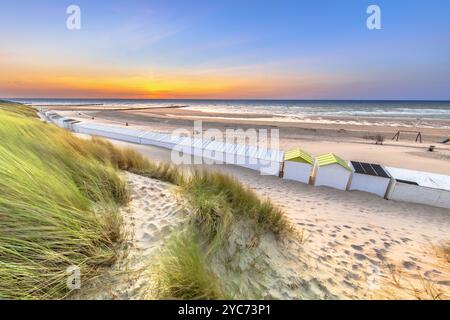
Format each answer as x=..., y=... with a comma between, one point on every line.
x=351, y=245
x=347, y=240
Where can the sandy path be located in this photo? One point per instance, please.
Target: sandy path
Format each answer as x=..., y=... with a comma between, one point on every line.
x=149, y=218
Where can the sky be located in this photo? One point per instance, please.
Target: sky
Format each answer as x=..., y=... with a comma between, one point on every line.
x=248, y=49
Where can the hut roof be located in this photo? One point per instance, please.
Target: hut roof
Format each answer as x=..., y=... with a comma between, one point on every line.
x=298, y=155
x=331, y=158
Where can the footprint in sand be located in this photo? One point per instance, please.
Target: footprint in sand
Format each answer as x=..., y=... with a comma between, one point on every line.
x=147, y=236
x=356, y=247
x=151, y=225
x=381, y=254
x=360, y=256
x=409, y=265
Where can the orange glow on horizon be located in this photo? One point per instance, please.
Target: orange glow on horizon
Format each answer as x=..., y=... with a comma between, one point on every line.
x=38, y=81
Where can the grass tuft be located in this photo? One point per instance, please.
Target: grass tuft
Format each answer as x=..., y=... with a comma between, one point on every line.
x=445, y=249
x=181, y=272
x=220, y=200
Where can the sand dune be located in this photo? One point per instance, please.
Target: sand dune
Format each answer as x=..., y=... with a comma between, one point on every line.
x=353, y=241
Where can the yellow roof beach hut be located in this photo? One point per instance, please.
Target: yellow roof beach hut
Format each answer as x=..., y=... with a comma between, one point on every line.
x=298, y=165
x=331, y=171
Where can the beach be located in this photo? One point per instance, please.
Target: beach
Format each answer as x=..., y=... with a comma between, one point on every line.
x=345, y=236
x=346, y=240
x=313, y=242
x=350, y=137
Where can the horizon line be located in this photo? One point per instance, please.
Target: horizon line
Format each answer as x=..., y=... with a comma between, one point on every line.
x=233, y=99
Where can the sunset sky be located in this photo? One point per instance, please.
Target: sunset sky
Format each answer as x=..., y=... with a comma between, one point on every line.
x=225, y=49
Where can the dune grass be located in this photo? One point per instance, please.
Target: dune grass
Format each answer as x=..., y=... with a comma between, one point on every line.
x=182, y=271
x=217, y=202
x=58, y=205
x=18, y=108
x=220, y=200
x=445, y=249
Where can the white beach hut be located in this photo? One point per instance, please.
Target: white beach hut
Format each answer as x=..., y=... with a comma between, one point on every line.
x=155, y=139
x=68, y=123
x=419, y=187
x=332, y=171
x=54, y=117
x=270, y=161
x=298, y=165
x=72, y=125
x=199, y=146
x=230, y=153
x=169, y=141
x=215, y=150
x=372, y=178
x=118, y=133
x=241, y=155
x=253, y=156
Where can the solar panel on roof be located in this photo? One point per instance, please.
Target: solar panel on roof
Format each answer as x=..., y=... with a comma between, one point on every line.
x=369, y=169
x=380, y=171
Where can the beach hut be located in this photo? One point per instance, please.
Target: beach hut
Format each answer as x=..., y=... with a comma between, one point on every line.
x=247, y=156
x=54, y=117
x=253, y=156
x=230, y=153
x=167, y=141
x=117, y=133
x=215, y=150
x=419, y=187
x=199, y=146
x=72, y=125
x=332, y=171
x=68, y=123
x=368, y=177
x=298, y=165
x=154, y=139
x=241, y=155
x=270, y=161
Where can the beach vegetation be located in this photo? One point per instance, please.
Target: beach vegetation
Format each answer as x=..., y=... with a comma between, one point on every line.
x=182, y=271
x=59, y=208
x=59, y=204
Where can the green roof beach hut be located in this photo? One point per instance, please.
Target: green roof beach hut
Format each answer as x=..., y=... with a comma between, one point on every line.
x=298, y=165
x=332, y=171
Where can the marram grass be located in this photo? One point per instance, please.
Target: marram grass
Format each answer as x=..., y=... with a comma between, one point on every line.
x=59, y=198
x=218, y=202
x=182, y=271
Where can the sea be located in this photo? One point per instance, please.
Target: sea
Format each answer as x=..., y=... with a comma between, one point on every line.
x=293, y=108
